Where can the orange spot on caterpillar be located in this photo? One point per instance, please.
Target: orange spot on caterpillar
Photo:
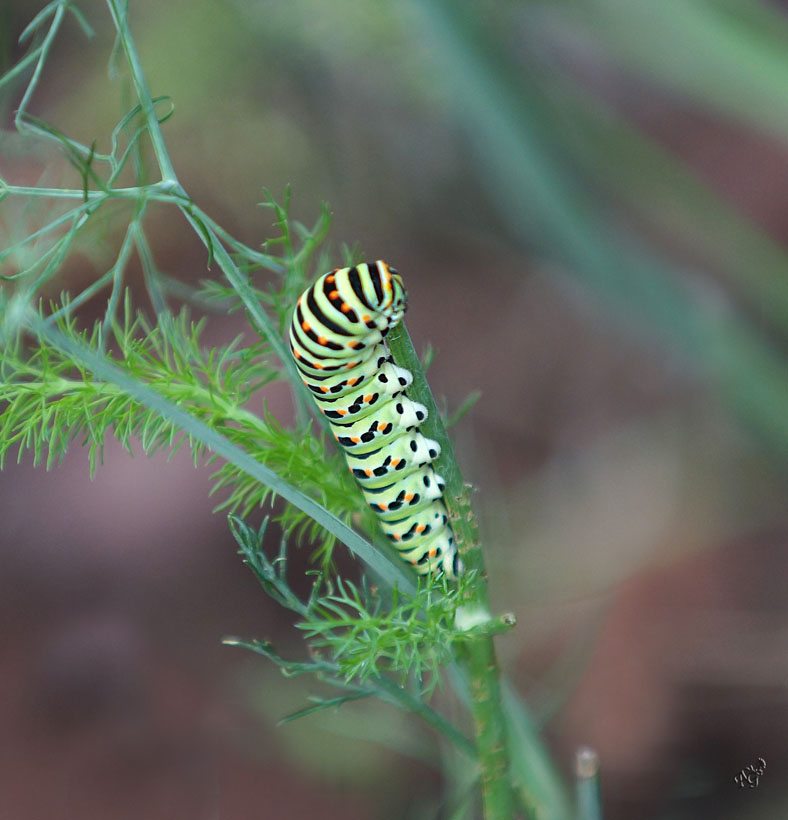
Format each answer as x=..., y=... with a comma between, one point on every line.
x=318, y=366
x=330, y=279
x=296, y=354
x=421, y=528
x=368, y=473
x=366, y=318
x=381, y=426
x=409, y=497
x=368, y=398
x=342, y=412
x=333, y=295
x=353, y=344
x=321, y=340
x=396, y=462
x=397, y=537
x=351, y=382
x=305, y=327
x=323, y=388
x=433, y=552
x=383, y=507
x=351, y=365
x=355, y=439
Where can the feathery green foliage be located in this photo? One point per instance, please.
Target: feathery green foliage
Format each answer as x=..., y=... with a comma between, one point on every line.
x=51, y=402
x=67, y=377
x=361, y=631
x=51, y=398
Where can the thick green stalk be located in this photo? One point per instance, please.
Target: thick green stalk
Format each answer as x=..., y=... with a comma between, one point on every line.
x=490, y=727
x=478, y=650
x=457, y=493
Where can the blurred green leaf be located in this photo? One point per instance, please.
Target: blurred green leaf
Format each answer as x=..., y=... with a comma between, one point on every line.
x=731, y=55
x=654, y=184
x=509, y=127
x=538, y=787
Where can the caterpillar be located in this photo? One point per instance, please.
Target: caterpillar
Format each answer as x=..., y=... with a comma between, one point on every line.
x=337, y=337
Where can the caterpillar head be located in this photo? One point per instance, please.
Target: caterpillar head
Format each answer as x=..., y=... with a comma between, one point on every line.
x=395, y=297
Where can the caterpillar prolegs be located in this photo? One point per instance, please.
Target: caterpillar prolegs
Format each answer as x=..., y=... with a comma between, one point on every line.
x=337, y=338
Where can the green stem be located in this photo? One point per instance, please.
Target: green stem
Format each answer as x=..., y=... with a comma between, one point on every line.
x=86, y=196
x=42, y=51
x=457, y=493
x=478, y=649
x=391, y=691
x=262, y=259
x=490, y=727
x=66, y=217
x=257, y=315
x=589, y=805
x=540, y=789
x=255, y=311
x=143, y=94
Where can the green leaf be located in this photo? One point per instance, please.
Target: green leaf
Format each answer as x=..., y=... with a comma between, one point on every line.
x=322, y=705
x=537, y=783
x=727, y=55
x=460, y=412
x=288, y=668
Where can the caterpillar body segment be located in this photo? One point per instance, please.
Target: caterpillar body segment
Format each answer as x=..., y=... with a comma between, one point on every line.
x=368, y=434
x=412, y=494
x=337, y=337
x=398, y=459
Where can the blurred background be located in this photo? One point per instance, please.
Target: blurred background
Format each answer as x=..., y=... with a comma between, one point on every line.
x=588, y=202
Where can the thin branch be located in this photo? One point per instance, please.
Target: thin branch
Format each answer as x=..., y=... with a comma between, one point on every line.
x=143, y=94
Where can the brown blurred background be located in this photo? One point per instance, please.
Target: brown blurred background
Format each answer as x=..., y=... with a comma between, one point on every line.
x=588, y=204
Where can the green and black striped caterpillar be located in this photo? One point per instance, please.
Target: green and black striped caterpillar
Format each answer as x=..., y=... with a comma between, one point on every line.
x=337, y=338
